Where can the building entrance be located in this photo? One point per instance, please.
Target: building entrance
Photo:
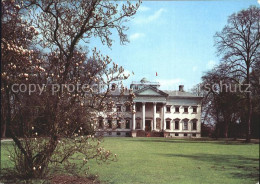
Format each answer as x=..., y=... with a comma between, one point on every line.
x=147, y=125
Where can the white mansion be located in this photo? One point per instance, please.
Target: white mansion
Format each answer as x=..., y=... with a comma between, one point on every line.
x=154, y=113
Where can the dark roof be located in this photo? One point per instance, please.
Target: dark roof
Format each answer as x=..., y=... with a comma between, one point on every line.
x=179, y=93
x=117, y=92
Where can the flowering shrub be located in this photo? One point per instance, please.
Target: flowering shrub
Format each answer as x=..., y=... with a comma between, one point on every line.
x=44, y=43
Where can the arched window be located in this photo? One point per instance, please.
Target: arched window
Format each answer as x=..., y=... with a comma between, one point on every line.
x=194, y=124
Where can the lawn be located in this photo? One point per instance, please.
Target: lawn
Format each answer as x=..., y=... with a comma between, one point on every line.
x=160, y=160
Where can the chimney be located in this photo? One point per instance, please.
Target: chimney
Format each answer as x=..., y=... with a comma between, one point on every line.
x=181, y=88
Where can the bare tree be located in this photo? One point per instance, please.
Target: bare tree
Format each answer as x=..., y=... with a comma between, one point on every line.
x=239, y=44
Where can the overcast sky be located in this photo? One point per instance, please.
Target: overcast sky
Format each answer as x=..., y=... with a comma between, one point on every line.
x=174, y=39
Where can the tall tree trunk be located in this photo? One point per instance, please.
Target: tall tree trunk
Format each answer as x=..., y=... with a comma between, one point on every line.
x=249, y=106
x=3, y=129
x=249, y=116
x=226, y=129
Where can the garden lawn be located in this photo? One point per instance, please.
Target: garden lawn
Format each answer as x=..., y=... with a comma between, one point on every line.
x=161, y=160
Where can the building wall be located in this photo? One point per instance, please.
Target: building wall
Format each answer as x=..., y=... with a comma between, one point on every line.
x=171, y=116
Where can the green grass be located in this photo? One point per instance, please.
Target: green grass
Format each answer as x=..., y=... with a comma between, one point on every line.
x=160, y=160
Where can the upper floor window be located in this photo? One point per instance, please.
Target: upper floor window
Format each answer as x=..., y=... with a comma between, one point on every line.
x=109, y=108
x=177, y=109
x=194, y=109
x=168, y=124
x=168, y=108
x=127, y=124
x=113, y=87
x=185, y=125
x=158, y=108
x=118, y=108
x=186, y=109
x=127, y=108
x=138, y=108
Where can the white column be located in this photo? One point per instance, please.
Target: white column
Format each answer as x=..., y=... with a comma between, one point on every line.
x=143, y=108
x=133, y=126
x=163, y=120
x=154, y=116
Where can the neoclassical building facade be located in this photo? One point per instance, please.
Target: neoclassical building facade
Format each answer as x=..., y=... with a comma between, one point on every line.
x=154, y=112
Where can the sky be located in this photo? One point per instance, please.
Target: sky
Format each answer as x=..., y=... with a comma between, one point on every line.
x=174, y=39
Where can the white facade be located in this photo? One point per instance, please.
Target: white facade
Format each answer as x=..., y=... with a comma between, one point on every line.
x=154, y=113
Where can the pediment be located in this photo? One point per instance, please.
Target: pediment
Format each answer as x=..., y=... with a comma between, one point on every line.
x=150, y=91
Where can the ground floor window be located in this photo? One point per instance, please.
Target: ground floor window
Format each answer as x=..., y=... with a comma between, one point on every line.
x=118, y=133
x=176, y=134
x=177, y=125
x=138, y=124
x=185, y=125
x=109, y=123
x=193, y=135
x=158, y=124
x=168, y=124
x=194, y=125
x=127, y=124
x=100, y=123
x=185, y=135
x=118, y=124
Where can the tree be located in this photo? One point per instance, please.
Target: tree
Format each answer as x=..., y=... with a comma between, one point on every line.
x=63, y=28
x=221, y=101
x=19, y=57
x=239, y=45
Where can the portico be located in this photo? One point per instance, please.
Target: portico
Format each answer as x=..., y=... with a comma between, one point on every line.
x=149, y=112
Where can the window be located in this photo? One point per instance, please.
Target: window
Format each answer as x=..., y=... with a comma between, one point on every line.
x=118, y=108
x=109, y=133
x=193, y=135
x=127, y=124
x=186, y=109
x=100, y=123
x=118, y=133
x=158, y=123
x=177, y=125
x=177, y=109
x=127, y=134
x=127, y=108
x=118, y=124
x=138, y=108
x=109, y=123
x=194, y=109
x=185, y=135
x=185, y=125
x=113, y=87
x=176, y=134
x=109, y=108
x=168, y=109
x=168, y=124
x=194, y=125
x=138, y=124
x=158, y=109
